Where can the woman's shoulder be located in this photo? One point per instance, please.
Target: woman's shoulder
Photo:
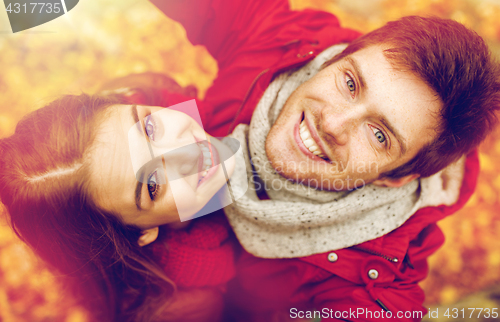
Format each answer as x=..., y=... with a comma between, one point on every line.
x=201, y=254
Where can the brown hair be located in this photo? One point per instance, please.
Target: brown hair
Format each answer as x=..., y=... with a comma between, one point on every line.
x=43, y=184
x=456, y=64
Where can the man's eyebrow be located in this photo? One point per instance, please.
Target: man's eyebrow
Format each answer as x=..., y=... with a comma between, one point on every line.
x=357, y=70
x=397, y=135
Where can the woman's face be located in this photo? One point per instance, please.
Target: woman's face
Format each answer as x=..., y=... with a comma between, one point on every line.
x=151, y=165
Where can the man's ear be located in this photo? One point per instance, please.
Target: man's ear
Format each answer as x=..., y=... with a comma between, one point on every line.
x=395, y=183
x=148, y=236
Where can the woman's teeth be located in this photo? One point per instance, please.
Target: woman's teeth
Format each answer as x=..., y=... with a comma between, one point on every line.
x=308, y=141
x=207, y=160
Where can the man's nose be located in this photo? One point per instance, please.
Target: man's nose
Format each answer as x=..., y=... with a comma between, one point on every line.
x=338, y=124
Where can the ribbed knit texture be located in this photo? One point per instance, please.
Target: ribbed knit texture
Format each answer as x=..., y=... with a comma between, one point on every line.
x=200, y=255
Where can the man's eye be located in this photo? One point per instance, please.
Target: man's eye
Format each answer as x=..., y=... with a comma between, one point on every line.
x=150, y=127
x=153, y=186
x=351, y=85
x=379, y=135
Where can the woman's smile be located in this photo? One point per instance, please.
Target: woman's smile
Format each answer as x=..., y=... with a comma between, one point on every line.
x=209, y=161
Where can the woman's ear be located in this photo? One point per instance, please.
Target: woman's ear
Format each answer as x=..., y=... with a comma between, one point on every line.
x=148, y=236
x=395, y=183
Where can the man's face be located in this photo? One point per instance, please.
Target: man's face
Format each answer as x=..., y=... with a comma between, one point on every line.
x=351, y=122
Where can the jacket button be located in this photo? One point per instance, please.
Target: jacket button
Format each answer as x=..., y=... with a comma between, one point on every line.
x=333, y=257
x=373, y=274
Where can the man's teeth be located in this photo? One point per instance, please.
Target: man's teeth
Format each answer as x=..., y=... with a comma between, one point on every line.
x=308, y=141
x=207, y=160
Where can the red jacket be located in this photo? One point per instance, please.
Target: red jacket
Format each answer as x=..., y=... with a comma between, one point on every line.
x=253, y=41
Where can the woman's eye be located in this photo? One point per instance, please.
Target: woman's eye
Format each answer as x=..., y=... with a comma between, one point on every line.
x=351, y=85
x=150, y=127
x=153, y=186
x=379, y=135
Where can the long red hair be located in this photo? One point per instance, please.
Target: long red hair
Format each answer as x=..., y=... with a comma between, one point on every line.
x=43, y=184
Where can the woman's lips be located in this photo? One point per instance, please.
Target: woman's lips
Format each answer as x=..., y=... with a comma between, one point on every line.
x=301, y=145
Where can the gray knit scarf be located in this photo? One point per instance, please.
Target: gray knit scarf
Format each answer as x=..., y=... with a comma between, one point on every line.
x=300, y=221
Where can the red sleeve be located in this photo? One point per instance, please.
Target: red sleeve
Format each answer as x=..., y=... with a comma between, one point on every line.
x=222, y=26
x=201, y=255
x=251, y=41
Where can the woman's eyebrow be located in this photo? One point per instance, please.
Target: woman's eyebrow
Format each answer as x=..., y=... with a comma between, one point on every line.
x=138, y=191
x=135, y=116
x=138, y=187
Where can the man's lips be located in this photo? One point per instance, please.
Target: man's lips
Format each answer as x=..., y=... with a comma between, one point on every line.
x=315, y=136
x=301, y=144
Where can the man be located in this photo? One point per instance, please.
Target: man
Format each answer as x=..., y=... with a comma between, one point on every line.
x=402, y=102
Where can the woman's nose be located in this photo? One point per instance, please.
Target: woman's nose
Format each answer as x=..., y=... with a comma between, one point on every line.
x=338, y=124
x=184, y=159
x=177, y=144
x=174, y=129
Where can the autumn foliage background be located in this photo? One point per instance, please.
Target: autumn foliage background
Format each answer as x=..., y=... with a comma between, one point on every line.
x=101, y=40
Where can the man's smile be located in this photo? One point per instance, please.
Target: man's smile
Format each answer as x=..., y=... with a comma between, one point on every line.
x=307, y=141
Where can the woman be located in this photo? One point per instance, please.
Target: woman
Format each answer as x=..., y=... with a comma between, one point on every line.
x=92, y=228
